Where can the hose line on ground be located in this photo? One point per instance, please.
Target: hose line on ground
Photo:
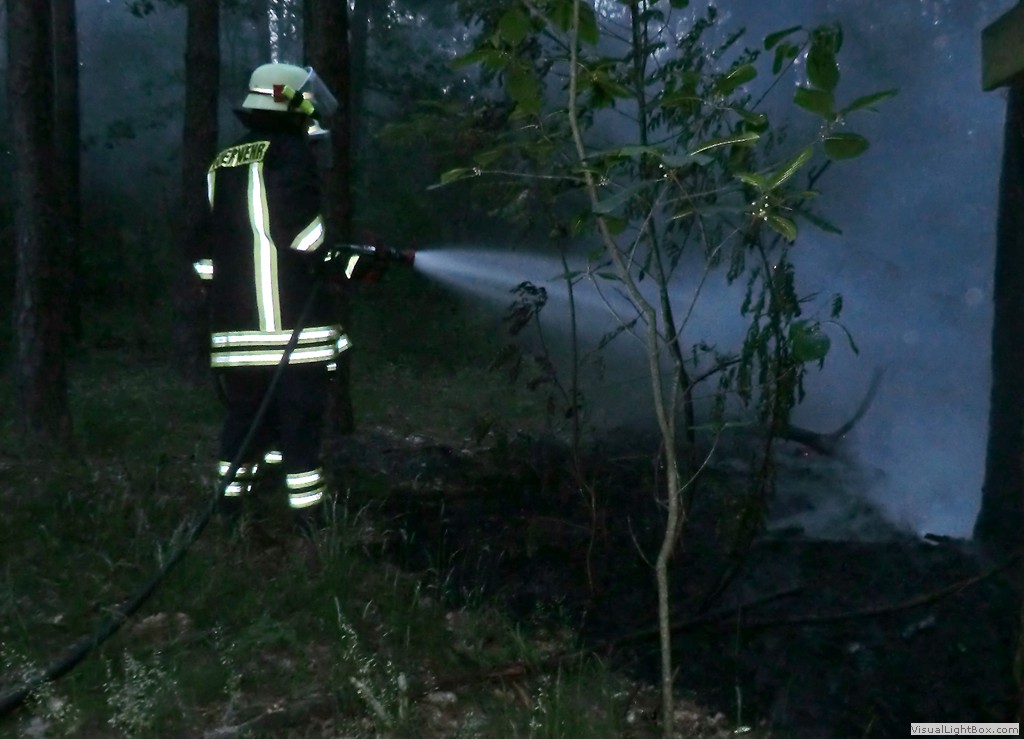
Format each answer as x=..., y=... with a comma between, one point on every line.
x=81, y=649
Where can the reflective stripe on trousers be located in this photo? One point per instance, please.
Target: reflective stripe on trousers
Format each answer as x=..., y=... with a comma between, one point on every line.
x=243, y=480
x=306, y=489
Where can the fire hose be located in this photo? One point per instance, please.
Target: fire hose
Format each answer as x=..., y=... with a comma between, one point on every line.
x=84, y=646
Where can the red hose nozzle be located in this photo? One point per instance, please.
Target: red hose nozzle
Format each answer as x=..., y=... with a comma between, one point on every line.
x=383, y=253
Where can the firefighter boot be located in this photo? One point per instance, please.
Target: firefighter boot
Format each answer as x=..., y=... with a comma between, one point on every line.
x=234, y=491
x=229, y=512
x=310, y=520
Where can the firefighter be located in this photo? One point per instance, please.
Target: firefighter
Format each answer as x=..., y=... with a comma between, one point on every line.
x=263, y=250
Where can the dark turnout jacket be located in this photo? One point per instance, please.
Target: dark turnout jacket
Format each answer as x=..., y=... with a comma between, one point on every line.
x=262, y=250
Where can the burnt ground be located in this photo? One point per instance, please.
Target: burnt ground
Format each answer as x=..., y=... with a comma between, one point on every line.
x=834, y=623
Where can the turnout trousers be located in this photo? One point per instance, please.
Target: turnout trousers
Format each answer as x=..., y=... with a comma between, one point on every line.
x=290, y=436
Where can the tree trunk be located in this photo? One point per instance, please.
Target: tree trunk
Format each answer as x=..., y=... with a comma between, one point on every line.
x=263, y=30
x=199, y=146
x=308, y=11
x=328, y=53
x=40, y=299
x=68, y=138
x=360, y=50
x=1001, y=517
x=274, y=31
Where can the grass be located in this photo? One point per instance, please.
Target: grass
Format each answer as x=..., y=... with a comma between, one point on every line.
x=256, y=633
x=260, y=632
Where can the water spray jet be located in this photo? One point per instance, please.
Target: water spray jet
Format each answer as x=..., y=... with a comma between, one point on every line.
x=616, y=385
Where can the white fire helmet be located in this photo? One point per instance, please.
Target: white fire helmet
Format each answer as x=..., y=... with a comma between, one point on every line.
x=287, y=88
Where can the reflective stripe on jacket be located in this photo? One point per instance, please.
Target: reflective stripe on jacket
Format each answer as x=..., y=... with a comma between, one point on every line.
x=262, y=253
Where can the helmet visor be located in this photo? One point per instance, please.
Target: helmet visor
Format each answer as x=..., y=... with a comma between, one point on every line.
x=324, y=103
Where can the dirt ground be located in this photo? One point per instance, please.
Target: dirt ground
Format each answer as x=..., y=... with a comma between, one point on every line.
x=807, y=634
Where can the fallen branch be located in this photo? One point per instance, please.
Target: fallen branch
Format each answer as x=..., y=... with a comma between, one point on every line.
x=828, y=444
x=721, y=617
x=511, y=671
x=274, y=718
x=887, y=609
x=520, y=670
x=735, y=613
x=700, y=620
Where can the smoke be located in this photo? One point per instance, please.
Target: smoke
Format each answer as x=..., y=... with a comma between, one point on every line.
x=914, y=262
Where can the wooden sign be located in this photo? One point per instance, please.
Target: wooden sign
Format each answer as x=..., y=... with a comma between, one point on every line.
x=1002, y=49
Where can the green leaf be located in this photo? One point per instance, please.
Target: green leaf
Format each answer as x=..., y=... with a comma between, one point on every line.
x=739, y=138
x=701, y=160
x=652, y=16
x=523, y=87
x=618, y=200
x=868, y=101
x=687, y=99
x=685, y=160
x=456, y=174
x=514, y=25
x=782, y=53
x=822, y=68
x=773, y=38
x=603, y=89
x=808, y=342
x=738, y=76
x=615, y=225
x=837, y=305
x=488, y=56
x=754, y=180
x=631, y=151
x=845, y=145
x=453, y=175
x=589, y=32
x=783, y=226
x=561, y=14
x=790, y=168
x=727, y=211
x=685, y=212
x=755, y=121
x=487, y=157
x=828, y=37
x=818, y=102
x=679, y=3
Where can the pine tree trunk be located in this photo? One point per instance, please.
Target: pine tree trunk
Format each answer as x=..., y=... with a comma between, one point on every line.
x=40, y=299
x=1001, y=517
x=328, y=53
x=68, y=139
x=361, y=22
x=199, y=146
